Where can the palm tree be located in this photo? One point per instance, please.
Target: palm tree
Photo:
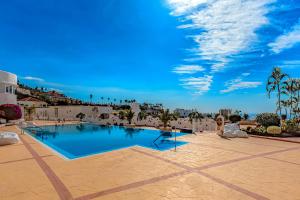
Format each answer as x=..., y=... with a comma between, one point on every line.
x=274, y=83
x=102, y=99
x=290, y=90
x=285, y=104
x=129, y=115
x=166, y=116
x=297, y=98
x=195, y=116
x=246, y=116
x=91, y=97
x=122, y=115
x=142, y=115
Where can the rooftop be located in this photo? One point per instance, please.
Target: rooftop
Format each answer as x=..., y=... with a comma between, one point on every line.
x=30, y=99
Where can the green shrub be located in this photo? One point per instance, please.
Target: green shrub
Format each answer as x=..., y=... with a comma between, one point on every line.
x=291, y=126
x=268, y=119
x=274, y=130
x=235, y=118
x=260, y=130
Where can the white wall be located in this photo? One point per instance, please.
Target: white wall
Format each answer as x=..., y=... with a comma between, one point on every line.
x=6, y=80
x=36, y=104
x=93, y=112
x=70, y=112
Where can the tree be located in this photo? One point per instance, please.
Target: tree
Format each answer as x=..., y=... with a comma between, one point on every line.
x=297, y=88
x=121, y=115
x=102, y=99
x=234, y=118
x=285, y=104
x=142, y=115
x=165, y=117
x=91, y=97
x=81, y=116
x=246, y=116
x=10, y=112
x=29, y=111
x=195, y=116
x=275, y=83
x=129, y=115
x=290, y=90
x=268, y=119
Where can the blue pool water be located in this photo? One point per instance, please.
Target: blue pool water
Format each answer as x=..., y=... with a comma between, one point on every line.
x=75, y=141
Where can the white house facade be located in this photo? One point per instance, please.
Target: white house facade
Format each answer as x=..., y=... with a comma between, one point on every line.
x=8, y=85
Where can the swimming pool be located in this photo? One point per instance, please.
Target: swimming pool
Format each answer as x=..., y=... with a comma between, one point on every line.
x=80, y=140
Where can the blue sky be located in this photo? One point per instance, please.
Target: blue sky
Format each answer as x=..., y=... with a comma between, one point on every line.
x=204, y=54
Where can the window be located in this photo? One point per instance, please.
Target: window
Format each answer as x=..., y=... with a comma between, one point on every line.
x=7, y=89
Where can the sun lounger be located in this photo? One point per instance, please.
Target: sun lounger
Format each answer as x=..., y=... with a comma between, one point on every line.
x=7, y=138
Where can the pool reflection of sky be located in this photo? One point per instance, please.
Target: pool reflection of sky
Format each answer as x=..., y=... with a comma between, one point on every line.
x=74, y=141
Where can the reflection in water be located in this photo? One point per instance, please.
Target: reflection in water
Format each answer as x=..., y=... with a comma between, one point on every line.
x=79, y=140
x=80, y=127
x=44, y=135
x=130, y=132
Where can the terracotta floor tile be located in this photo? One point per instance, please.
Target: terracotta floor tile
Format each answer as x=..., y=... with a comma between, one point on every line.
x=273, y=179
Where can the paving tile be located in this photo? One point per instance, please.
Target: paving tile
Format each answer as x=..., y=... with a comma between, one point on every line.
x=190, y=186
x=100, y=172
x=13, y=153
x=233, y=144
x=196, y=155
x=25, y=180
x=273, y=179
x=289, y=156
x=129, y=174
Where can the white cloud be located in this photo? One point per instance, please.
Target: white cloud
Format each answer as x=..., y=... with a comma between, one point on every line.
x=33, y=78
x=245, y=74
x=188, y=69
x=225, y=27
x=287, y=40
x=290, y=64
x=238, y=83
x=199, y=84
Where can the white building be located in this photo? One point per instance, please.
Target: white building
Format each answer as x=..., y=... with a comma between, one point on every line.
x=70, y=112
x=8, y=85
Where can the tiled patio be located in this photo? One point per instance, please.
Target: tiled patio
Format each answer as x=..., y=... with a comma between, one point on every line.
x=207, y=168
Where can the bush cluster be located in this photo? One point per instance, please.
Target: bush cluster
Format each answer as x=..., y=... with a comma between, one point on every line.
x=235, y=118
x=274, y=130
x=10, y=112
x=268, y=119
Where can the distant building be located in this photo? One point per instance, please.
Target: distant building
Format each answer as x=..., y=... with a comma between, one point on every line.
x=32, y=102
x=183, y=112
x=225, y=112
x=8, y=85
x=151, y=109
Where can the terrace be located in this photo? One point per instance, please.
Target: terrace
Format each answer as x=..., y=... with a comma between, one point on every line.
x=207, y=168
